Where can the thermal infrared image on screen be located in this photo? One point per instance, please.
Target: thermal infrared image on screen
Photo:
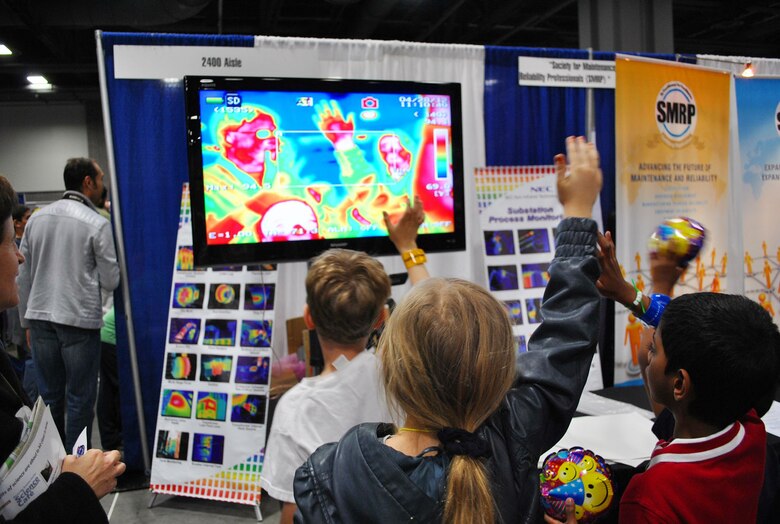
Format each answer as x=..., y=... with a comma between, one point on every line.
x=299, y=165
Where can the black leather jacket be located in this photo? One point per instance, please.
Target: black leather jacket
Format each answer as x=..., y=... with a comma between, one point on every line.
x=359, y=479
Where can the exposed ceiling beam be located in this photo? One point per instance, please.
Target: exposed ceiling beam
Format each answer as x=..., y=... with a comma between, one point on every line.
x=423, y=37
x=535, y=20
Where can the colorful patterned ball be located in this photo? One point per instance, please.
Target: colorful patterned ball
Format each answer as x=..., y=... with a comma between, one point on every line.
x=679, y=237
x=579, y=474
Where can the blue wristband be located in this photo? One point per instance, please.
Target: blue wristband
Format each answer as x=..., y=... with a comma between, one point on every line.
x=658, y=303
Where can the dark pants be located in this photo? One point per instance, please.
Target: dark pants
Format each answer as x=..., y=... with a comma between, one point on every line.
x=68, y=361
x=108, y=412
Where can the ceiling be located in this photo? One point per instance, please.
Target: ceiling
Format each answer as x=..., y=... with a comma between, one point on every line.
x=56, y=38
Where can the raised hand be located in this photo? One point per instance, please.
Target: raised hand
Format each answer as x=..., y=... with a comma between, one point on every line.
x=403, y=233
x=611, y=283
x=578, y=189
x=335, y=128
x=665, y=272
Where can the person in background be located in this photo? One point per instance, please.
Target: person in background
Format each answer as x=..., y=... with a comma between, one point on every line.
x=70, y=256
x=108, y=405
x=74, y=497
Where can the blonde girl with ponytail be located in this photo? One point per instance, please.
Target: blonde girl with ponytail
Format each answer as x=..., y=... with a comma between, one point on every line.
x=475, y=415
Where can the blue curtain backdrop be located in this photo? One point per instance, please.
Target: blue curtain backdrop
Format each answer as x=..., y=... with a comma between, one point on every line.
x=527, y=125
x=147, y=118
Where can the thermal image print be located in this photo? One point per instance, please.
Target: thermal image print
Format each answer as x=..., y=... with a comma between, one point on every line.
x=181, y=366
x=532, y=241
x=248, y=409
x=224, y=296
x=534, y=308
x=535, y=275
x=176, y=403
x=172, y=445
x=188, y=295
x=208, y=448
x=228, y=269
x=219, y=332
x=261, y=267
x=185, y=259
x=184, y=331
x=502, y=278
x=211, y=406
x=499, y=243
x=520, y=344
x=259, y=296
x=256, y=333
x=515, y=310
x=253, y=370
x=215, y=368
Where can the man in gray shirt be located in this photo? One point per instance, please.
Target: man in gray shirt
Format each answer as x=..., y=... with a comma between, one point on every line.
x=70, y=256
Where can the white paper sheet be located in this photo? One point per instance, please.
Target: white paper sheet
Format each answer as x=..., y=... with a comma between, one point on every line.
x=593, y=404
x=624, y=437
x=772, y=419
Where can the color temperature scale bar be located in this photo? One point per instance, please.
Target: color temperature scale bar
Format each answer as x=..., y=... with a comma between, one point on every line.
x=495, y=182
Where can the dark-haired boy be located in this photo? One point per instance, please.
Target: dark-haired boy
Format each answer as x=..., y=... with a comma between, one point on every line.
x=712, y=359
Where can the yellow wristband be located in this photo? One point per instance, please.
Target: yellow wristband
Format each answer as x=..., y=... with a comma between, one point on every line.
x=413, y=257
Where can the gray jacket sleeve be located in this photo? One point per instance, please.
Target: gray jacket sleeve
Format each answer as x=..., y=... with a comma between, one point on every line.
x=24, y=282
x=105, y=256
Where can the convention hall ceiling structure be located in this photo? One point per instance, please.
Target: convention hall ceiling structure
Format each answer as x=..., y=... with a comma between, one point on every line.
x=55, y=38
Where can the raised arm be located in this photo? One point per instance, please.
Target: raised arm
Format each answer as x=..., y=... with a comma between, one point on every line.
x=403, y=234
x=664, y=271
x=552, y=374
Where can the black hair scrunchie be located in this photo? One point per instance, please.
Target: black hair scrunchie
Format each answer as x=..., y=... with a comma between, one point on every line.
x=461, y=442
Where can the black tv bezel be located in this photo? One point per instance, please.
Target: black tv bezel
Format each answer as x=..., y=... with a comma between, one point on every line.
x=298, y=250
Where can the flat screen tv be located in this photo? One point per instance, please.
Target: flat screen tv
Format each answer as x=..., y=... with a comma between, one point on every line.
x=282, y=169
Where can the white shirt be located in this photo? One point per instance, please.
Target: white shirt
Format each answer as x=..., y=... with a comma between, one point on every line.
x=319, y=410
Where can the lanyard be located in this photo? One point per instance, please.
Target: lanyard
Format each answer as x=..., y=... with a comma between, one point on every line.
x=77, y=197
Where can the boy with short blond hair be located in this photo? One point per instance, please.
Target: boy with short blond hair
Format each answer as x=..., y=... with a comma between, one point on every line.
x=346, y=293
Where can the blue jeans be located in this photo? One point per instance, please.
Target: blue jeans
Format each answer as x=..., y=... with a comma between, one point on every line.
x=30, y=381
x=67, y=359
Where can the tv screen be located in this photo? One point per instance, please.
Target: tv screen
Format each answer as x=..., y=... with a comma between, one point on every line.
x=283, y=168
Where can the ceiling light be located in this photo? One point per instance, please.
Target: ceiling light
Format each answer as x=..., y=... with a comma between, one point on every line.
x=748, y=72
x=4, y=50
x=37, y=80
x=40, y=87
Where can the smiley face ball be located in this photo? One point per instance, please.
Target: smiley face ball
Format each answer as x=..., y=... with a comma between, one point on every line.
x=579, y=474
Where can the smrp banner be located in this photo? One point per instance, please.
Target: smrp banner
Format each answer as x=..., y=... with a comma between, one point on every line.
x=758, y=109
x=672, y=143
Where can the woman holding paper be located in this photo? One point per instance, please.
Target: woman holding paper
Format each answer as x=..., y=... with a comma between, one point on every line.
x=74, y=495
